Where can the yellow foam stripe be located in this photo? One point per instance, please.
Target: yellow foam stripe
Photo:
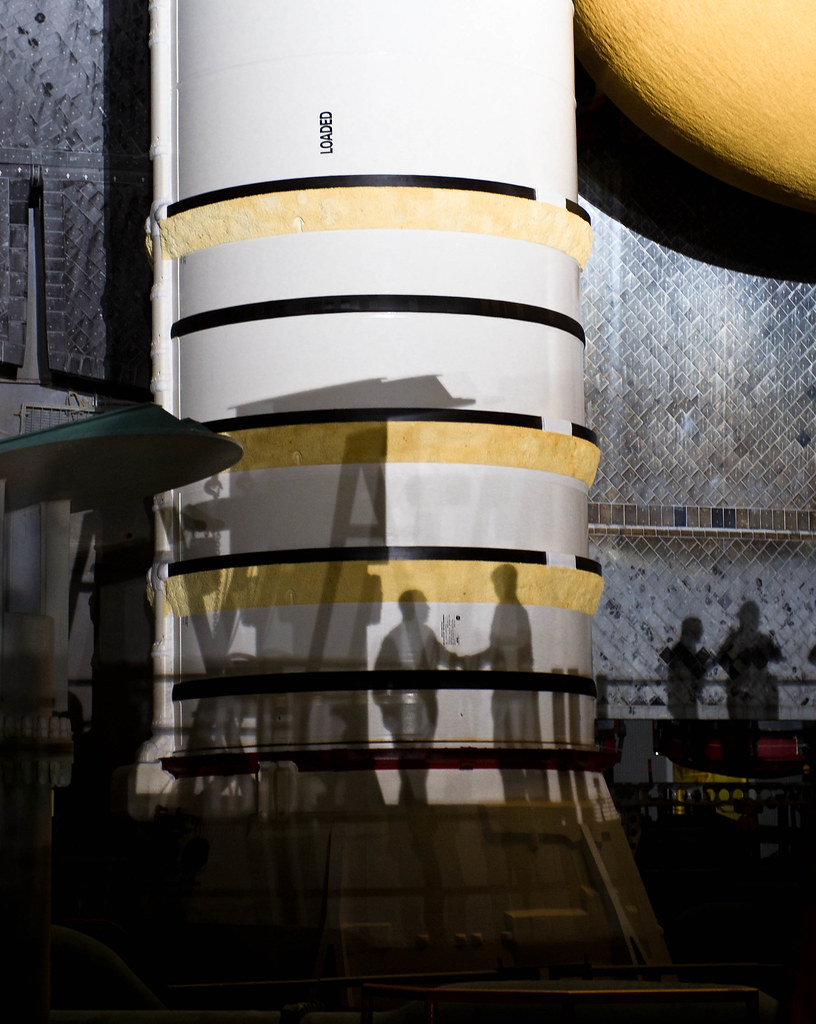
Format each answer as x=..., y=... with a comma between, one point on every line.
x=345, y=209
x=483, y=444
x=267, y=586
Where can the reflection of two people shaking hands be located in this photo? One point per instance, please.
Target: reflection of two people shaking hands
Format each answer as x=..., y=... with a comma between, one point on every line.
x=414, y=645
x=745, y=655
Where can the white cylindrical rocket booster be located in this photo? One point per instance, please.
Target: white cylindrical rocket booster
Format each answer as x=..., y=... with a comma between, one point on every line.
x=378, y=248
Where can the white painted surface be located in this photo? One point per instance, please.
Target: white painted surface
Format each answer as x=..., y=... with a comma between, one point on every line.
x=350, y=637
x=406, y=262
x=451, y=90
x=456, y=89
x=382, y=360
x=385, y=504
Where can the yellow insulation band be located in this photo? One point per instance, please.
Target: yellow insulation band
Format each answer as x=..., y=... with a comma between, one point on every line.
x=483, y=444
x=348, y=209
x=266, y=586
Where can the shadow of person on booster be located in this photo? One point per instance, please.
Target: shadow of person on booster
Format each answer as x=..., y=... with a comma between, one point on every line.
x=411, y=715
x=515, y=712
x=413, y=644
x=511, y=641
x=687, y=664
x=745, y=654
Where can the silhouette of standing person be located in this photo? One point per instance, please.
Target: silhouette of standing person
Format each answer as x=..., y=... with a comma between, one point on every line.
x=515, y=711
x=687, y=664
x=411, y=715
x=511, y=642
x=412, y=644
x=745, y=655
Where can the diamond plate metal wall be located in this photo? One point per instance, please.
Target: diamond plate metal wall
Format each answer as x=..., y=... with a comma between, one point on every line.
x=74, y=103
x=53, y=75
x=12, y=276
x=701, y=381
x=654, y=583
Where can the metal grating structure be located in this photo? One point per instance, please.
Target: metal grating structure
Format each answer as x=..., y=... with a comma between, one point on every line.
x=35, y=417
x=74, y=108
x=701, y=380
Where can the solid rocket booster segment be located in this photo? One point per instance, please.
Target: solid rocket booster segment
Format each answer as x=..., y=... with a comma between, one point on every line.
x=375, y=241
x=378, y=290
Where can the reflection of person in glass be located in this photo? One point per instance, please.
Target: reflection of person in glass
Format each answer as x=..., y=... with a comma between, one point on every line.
x=515, y=712
x=687, y=664
x=412, y=644
x=511, y=643
x=745, y=655
x=410, y=715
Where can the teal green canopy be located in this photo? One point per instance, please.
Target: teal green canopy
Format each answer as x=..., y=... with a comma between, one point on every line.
x=108, y=458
